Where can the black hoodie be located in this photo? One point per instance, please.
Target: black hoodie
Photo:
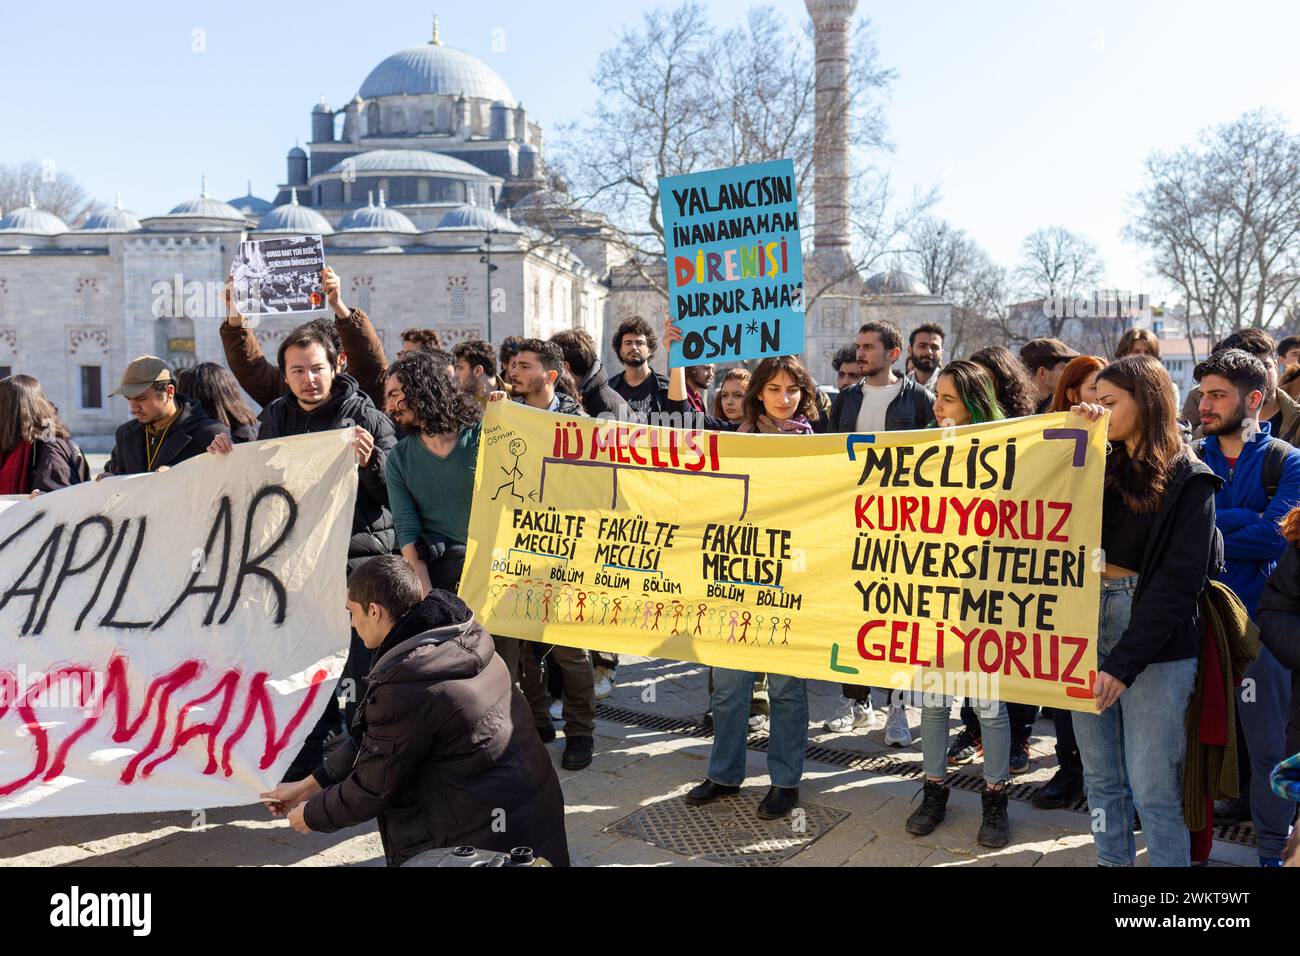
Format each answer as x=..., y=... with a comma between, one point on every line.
x=597, y=396
x=347, y=407
x=443, y=749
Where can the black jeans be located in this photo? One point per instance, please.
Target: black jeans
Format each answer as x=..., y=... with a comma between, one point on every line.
x=1022, y=718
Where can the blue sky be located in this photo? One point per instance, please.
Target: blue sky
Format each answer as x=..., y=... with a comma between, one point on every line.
x=1025, y=113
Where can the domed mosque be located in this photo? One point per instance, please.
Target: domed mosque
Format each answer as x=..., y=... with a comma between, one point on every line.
x=411, y=184
x=432, y=128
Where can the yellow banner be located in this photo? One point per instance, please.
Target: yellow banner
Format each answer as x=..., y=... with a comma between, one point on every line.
x=960, y=561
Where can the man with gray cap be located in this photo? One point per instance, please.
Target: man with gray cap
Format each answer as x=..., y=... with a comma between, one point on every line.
x=165, y=429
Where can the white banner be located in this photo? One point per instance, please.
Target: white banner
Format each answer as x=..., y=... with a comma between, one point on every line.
x=168, y=641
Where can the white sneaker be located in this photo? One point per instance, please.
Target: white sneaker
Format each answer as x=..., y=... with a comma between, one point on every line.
x=757, y=723
x=604, y=682
x=853, y=715
x=897, y=733
x=557, y=709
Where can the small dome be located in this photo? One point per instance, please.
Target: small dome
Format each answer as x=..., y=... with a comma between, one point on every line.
x=299, y=220
x=372, y=218
x=434, y=68
x=33, y=221
x=204, y=207
x=476, y=219
x=406, y=161
x=297, y=153
x=321, y=107
x=249, y=204
x=115, y=219
x=895, y=282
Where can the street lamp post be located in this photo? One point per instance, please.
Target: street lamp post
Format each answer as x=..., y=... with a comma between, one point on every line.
x=486, y=259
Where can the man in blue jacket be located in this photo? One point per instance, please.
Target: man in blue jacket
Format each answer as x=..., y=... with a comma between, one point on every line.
x=1261, y=484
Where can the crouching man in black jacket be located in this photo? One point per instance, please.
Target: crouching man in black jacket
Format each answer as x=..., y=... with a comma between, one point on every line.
x=442, y=750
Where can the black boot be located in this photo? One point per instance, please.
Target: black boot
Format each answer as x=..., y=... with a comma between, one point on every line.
x=1063, y=790
x=933, y=808
x=577, y=752
x=707, y=792
x=778, y=803
x=995, y=831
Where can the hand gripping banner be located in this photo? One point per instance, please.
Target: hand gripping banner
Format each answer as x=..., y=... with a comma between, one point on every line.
x=167, y=641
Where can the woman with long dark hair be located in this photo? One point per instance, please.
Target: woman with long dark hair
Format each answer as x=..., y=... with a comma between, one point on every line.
x=215, y=388
x=430, y=474
x=36, y=451
x=1159, y=541
x=1015, y=389
x=965, y=395
x=781, y=400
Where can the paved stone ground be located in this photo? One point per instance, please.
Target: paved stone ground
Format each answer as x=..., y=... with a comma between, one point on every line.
x=633, y=767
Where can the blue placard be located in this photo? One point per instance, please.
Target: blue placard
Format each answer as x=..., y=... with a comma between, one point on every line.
x=735, y=268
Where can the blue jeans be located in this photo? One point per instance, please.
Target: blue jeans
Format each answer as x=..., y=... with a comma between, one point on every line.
x=787, y=733
x=995, y=733
x=1133, y=753
x=1265, y=720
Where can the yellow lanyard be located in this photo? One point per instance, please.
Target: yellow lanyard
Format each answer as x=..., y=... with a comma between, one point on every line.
x=151, y=456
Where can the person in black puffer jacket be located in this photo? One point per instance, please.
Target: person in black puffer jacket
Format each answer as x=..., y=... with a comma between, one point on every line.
x=443, y=752
x=320, y=399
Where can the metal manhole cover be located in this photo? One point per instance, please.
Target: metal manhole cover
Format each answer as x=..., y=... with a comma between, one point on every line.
x=729, y=831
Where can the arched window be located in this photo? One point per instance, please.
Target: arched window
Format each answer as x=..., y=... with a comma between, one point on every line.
x=422, y=190
x=383, y=188
x=456, y=289
x=87, y=290
x=347, y=192
x=362, y=287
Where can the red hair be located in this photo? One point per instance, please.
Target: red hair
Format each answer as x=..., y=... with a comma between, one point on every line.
x=1073, y=376
x=1291, y=525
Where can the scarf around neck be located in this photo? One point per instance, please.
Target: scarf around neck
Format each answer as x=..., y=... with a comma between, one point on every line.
x=766, y=425
x=15, y=472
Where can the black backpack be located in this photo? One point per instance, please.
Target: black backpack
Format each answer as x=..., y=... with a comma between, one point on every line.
x=1270, y=475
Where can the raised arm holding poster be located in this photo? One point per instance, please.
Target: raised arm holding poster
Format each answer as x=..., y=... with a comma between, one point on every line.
x=167, y=641
x=948, y=561
x=279, y=276
x=735, y=266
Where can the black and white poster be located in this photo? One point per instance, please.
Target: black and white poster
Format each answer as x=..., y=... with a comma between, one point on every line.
x=278, y=276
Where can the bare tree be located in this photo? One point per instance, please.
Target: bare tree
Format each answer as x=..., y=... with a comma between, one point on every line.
x=51, y=188
x=980, y=314
x=678, y=97
x=1059, y=265
x=1221, y=220
x=941, y=255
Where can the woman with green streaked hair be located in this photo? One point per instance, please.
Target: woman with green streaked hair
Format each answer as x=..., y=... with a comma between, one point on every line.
x=965, y=395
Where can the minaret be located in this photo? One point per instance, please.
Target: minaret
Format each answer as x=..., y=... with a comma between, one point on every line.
x=832, y=258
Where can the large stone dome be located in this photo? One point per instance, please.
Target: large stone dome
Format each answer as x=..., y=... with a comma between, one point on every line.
x=434, y=68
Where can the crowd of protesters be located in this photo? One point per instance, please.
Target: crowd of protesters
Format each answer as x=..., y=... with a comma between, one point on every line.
x=443, y=725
